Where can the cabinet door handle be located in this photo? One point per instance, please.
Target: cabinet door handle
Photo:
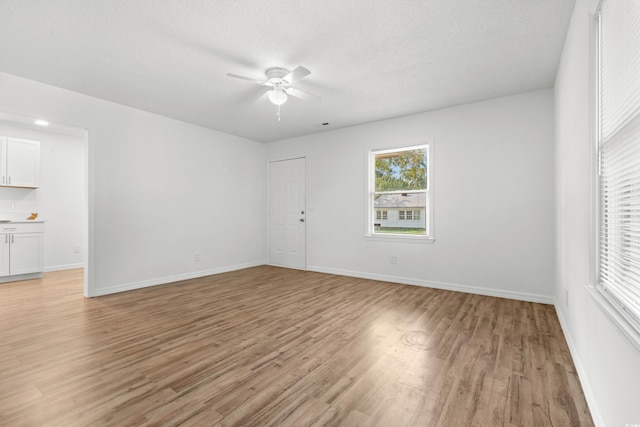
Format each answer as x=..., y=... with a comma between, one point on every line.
x=12, y=238
x=9, y=180
x=6, y=239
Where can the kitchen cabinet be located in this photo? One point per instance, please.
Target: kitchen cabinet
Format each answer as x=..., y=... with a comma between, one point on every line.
x=21, y=249
x=19, y=162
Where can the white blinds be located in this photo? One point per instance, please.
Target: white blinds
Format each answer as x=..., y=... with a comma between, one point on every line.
x=619, y=154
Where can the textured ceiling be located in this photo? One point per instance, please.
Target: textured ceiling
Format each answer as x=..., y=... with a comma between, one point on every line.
x=369, y=60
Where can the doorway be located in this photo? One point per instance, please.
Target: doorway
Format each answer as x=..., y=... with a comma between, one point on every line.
x=61, y=198
x=287, y=213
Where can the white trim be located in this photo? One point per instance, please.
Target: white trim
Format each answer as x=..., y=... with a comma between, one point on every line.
x=89, y=217
x=399, y=238
x=594, y=201
x=616, y=316
x=477, y=290
x=63, y=267
x=20, y=277
x=171, y=279
x=582, y=374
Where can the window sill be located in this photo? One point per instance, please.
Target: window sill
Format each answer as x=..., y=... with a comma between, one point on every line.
x=396, y=238
x=618, y=318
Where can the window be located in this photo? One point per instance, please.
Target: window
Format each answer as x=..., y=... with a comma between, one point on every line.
x=400, y=182
x=409, y=215
x=381, y=215
x=619, y=156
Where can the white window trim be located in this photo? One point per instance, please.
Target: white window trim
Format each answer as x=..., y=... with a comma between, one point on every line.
x=429, y=212
x=610, y=309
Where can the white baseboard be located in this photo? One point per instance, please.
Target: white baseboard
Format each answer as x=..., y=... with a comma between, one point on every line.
x=63, y=267
x=521, y=296
x=20, y=277
x=170, y=279
x=582, y=374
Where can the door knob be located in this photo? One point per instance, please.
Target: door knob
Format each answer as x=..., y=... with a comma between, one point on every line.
x=301, y=219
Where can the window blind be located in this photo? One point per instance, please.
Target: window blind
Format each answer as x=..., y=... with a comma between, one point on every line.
x=619, y=155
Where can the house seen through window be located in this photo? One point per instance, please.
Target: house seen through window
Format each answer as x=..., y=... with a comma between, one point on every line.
x=399, y=193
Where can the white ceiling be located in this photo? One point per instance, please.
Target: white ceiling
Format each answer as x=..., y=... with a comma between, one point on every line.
x=369, y=60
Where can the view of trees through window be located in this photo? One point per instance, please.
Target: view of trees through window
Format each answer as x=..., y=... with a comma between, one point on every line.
x=400, y=188
x=403, y=170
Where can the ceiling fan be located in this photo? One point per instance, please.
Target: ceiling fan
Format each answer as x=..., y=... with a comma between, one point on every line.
x=280, y=81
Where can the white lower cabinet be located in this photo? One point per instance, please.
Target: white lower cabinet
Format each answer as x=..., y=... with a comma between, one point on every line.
x=21, y=249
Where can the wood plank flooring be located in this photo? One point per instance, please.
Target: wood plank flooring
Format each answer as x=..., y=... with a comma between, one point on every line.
x=272, y=346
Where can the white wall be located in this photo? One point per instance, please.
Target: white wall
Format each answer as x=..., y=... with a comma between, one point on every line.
x=59, y=200
x=494, y=195
x=608, y=363
x=159, y=190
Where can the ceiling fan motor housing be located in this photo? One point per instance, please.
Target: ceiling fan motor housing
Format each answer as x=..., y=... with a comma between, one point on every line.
x=275, y=76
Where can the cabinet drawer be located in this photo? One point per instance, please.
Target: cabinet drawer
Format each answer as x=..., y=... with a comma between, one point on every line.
x=11, y=227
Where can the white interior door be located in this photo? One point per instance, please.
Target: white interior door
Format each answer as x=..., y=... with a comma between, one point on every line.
x=287, y=213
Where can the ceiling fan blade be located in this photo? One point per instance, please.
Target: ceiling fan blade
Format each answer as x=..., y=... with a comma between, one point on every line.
x=235, y=76
x=296, y=74
x=297, y=93
x=262, y=98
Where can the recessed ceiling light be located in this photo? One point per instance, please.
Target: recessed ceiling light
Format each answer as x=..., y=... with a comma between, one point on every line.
x=41, y=122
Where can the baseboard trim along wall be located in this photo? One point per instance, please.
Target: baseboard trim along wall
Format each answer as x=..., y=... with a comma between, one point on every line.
x=171, y=279
x=582, y=375
x=63, y=267
x=521, y=296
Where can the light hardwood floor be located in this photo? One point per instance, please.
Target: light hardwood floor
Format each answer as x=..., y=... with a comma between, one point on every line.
x=272, y=346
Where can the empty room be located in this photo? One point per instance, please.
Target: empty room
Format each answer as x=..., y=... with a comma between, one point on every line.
x=244, y=213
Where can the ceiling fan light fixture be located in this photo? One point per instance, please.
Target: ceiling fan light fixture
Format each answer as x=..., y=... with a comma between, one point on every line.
x=277, y=96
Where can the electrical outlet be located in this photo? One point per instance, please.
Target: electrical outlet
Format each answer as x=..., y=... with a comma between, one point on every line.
x=76, y=249
x=196, y=256
x=394, y=259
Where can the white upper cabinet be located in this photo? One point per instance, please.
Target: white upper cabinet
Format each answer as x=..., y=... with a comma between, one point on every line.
x=19, y=162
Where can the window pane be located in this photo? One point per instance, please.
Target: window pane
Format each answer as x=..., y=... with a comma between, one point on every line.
x=401, y=170
x=396, y=218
